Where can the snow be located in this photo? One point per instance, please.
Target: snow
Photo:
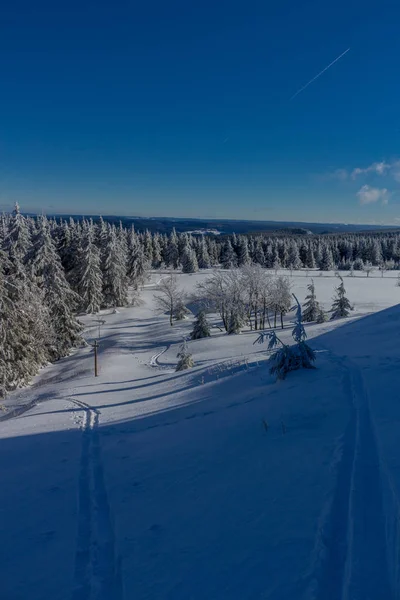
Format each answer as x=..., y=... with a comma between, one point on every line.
x=217, y=482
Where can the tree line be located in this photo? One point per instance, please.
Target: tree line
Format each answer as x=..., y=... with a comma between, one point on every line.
x=53, y=269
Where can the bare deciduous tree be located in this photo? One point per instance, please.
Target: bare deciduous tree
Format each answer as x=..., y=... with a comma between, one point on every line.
x=170, y=296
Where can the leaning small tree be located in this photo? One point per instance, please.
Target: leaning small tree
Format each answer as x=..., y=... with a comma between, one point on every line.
x=201, y=328
x=185, y=358
x=289, y=358
x=312, y=308
x=341, y=306
x=170, y=296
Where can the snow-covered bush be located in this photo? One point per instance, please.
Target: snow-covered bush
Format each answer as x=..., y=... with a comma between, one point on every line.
x=181, y=311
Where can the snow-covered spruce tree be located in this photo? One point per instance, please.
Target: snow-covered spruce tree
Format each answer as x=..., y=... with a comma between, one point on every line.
x=259, y=256
x=172, y=251
x=185, y=358
x=312, y=308
x=189, y=260
x=341, y=306
x=18, y=235
x=305, y=353
x=203, y=260
x=137, y=264
x=170, y=296
x=115, y=280
x=294, y=261
x=243, y=252
x=289, y=358
x=148, y=246
x=326, y=262
x=25, y=328
x=58, y=295
x=228, y=256
x=235, y=323
x=201, y=328
x=276, y=261
x=89, y=278
x=157, y=258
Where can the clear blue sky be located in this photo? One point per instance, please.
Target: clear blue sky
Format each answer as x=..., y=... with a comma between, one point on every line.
x=183, y=108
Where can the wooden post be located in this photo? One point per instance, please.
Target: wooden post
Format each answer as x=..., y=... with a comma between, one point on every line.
x=95, y=346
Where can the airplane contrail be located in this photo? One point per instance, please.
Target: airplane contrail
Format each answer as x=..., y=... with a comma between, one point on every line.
x=319, y=75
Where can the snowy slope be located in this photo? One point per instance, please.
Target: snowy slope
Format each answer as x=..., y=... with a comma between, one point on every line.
x=213, y=483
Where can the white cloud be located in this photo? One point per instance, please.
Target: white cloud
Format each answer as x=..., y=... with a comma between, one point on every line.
x=368, y=195
x=378, y=168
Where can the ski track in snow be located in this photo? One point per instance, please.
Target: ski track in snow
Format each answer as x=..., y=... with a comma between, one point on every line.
x=156, y=365
x=353, y=563
x=97, y=570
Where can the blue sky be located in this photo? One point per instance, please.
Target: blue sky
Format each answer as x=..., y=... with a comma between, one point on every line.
x=184, y=109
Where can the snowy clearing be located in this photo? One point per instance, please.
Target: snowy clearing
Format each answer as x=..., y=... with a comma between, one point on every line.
x=217, y=482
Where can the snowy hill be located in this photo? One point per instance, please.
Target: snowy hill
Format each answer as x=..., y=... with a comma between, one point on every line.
x=213, y=483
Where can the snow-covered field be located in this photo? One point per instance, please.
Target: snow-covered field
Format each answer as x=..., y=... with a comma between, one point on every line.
x=213, y=483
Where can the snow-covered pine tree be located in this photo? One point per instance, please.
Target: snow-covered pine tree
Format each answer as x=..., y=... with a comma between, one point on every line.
x=25, y=327
x=204, y=261
x=243, y=252
x=18, y=236
x=201, y=328
x=276, y=261
x=89, y=278
x=137, y=264
x=148, y=246
x=185, y=358
x=312, y=308
x=213, y=251
x=157, y=258
x=172, y=252
x=259, y=257
x=235, y=323
x=115, y=280
x=310, y=260
x=294, y=261
x=189, y=260
x=326, y=263
x=341, y=306
x=58, y=295
x=228, y=256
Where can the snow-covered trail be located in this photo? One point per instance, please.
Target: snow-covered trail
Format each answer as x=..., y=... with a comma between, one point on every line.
x=354, y=562
x=97, y=570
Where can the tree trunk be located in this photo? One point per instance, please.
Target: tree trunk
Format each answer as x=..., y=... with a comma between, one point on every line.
x=282, y=320
x=170, y=318
x=275, y=320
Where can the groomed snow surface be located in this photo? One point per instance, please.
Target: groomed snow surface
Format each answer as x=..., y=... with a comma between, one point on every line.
x=214, y=483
